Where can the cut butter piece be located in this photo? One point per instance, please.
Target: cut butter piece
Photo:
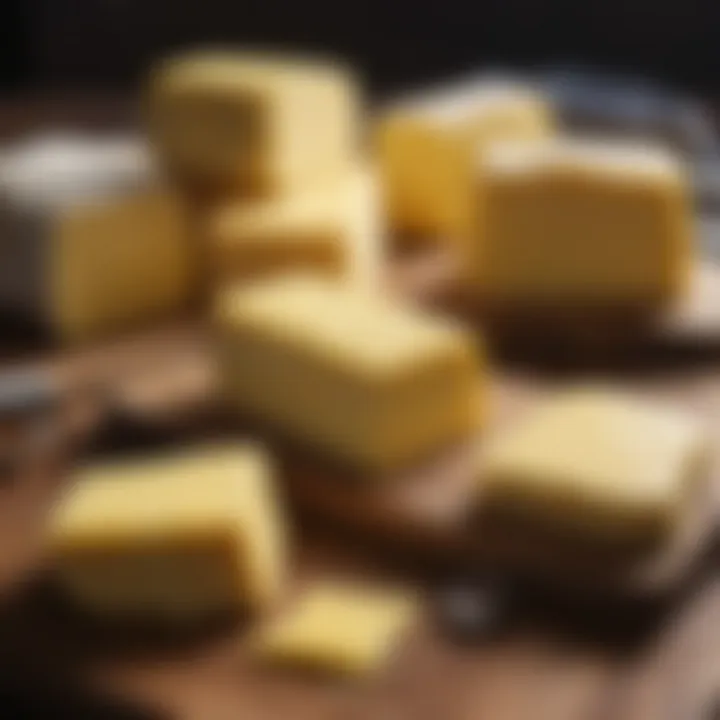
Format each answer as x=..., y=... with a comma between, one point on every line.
x=426, y=148
x=335, y=230
x=349, y=373
x=599, y=464
x=91, y=241
x=350, y=630
x=118, y=264
x=584, y=222
x=173, y=537
x=254, y=124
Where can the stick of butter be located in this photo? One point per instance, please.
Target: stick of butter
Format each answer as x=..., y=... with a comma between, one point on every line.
x=427, y=145
x=598, y=464
x=350, y=630
x=584, y=222
x=335, y=230
x=261, y=125
x=176, y=536
x=90, y=241
x=350, y=373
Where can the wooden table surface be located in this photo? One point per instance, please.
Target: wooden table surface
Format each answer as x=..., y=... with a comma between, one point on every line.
x=553, y=662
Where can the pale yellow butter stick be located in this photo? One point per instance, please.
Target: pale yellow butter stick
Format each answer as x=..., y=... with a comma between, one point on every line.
x=353, y=375
x=173, y=537
x=571, y=223
x=254, y=124
x=599, y=465
x=92, y=241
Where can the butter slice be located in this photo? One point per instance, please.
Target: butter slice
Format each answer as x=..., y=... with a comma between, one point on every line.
x=599, y=464
x=350, y=373
x=427, y=147
x=173, y=537
x=91, y=241
x=583, y=222
x=336, y=628
x=335, y=230
x=254, y=124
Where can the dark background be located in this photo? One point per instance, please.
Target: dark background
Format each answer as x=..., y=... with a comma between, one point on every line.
x=108, y=43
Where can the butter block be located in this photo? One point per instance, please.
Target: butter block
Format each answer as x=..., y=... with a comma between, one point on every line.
x=427, y=145
x=91, y=241
x=597, y=464
x=348, y=372
x=581, y=222
x=254, y=124
x=336, y=231
x=337, y=628
x=173, y=537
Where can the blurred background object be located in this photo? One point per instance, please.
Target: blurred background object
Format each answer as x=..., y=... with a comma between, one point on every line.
x=632, y=106
x=110, y=42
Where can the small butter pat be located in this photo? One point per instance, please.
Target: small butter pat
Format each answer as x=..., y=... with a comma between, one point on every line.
x=598, y=464
x=584, y=222
x=260, y=125
x=349, y=373
x=335, y=628
x=173, y=537
x=336, y=231
x=426, y=148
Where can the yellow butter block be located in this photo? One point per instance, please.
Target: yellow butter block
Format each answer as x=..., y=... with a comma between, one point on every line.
x=254, y=124
x=337, y=628
x=348, y=372
x=91, y=241
x=581, y=222
x=427, y=147
x=173, y=536
x=598, y=464
x=118, y=262
x=335, y=230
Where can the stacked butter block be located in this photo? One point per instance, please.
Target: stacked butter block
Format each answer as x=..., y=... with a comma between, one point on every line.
x=538, y=219
x=91, y=241
x=176, y=537
x=275, y=142
x=333, y=231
